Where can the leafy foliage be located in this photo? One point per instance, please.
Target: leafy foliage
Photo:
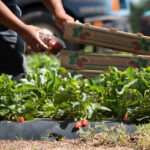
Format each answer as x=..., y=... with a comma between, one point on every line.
x=45, y=93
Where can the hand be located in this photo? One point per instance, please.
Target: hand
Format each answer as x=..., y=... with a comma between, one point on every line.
x=61, y=19
x=31, y=36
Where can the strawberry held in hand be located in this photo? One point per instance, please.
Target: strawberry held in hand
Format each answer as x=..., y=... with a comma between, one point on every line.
x=21, y=119
x=55, y=47
x=55, y=44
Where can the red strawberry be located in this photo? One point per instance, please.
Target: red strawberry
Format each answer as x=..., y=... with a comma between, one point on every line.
x=54, y=46
x=125, y=117
x=131, y=62
x=52, y=43
x=84, y=122
x=135, y=65
x=42, y=38
x=84, y=60
x=138, y=47
x=82, y=37
x=78, y=125
x=80, y=64
x=88, y=34
x=134, y=43
x=84, y=77
x=21, y=119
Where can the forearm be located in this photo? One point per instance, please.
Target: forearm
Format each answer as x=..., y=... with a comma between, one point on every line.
x=54, y=6
x=8, y=19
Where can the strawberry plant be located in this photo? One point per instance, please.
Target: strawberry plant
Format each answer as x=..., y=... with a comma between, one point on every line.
x=45, y=94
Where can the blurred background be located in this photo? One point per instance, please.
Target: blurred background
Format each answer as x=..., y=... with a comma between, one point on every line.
x=125, y=15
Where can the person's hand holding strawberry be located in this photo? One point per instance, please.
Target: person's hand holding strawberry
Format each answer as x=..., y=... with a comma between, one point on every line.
x=30, y=34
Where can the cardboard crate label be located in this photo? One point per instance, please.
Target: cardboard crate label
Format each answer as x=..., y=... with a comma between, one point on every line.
x=97, y=61
x=108, y=38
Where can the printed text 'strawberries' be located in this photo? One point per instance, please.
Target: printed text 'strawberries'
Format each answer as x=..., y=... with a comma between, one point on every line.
x=84, y=122
x=78, y=125
x=21, y=119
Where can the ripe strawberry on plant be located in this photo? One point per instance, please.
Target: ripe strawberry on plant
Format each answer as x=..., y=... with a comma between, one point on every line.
x=84, y=122
x=78, y=125
x=21, y=119
x=125, y=117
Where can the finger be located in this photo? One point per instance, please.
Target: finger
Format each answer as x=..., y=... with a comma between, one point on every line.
x=35, y=47
x=40, y=44
x=43, y=45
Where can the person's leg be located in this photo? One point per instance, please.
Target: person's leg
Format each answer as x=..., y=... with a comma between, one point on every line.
x=23, y=67
x=12, y=59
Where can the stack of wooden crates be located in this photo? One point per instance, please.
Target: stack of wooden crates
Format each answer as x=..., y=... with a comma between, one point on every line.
x=92, y=64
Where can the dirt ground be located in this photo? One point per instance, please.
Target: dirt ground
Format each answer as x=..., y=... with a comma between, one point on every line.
x=91, y=143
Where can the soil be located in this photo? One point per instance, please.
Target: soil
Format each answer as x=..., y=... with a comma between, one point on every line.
x=91, y=143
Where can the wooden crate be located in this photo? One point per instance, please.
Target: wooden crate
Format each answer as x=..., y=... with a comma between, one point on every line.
x=108, y=38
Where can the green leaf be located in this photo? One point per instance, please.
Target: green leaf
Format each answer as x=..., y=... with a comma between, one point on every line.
x=19, y=110
x=61, y=97
x=90, y=111
x=126, y=86
x=32, y=105
x=12, y=107
x=102, y=108
x=2, y=105
x=62, y=70
x=114, y=70
x=28, y=87
x=3, y=112
x=29, y=117
x=48, y=108
x=84, y=96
